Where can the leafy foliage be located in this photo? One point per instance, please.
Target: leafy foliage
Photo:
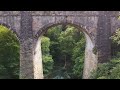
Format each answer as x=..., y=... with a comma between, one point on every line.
x=78, y=58
x=9, y=54
x=47, y=58
x=62, y=53
x=110, y=70
x=116, y=37
x=67, y=46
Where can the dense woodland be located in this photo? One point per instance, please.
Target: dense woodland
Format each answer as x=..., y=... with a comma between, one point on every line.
x=63, y=49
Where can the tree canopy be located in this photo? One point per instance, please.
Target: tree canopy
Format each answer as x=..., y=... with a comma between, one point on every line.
x=9, y=54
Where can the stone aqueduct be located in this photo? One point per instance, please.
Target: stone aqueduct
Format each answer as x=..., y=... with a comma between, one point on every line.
x=30, y=25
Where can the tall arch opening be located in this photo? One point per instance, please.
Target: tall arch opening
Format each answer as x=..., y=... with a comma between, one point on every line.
x=87, y=60
x=9, y=54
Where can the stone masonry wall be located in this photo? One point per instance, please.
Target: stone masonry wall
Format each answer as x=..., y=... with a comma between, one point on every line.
x=30, y=25
x=103, y=41
x=26, y=47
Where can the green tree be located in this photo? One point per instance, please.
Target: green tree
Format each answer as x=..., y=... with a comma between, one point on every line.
x=9, y=54
x=47, y=58
x=53, y=34
x=78, y=56
x=66, y=43
x=63, y=44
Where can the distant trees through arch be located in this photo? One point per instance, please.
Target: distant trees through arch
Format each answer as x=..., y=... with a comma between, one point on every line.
x=9, y=54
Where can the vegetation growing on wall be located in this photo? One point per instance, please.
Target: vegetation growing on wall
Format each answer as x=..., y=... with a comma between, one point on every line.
x=110, y=70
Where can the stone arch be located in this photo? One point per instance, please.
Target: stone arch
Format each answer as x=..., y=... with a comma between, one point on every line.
x=78, y=25
x=11, y=29
x=90, y=61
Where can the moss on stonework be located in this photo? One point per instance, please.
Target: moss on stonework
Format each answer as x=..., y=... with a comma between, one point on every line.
x=95, y=50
